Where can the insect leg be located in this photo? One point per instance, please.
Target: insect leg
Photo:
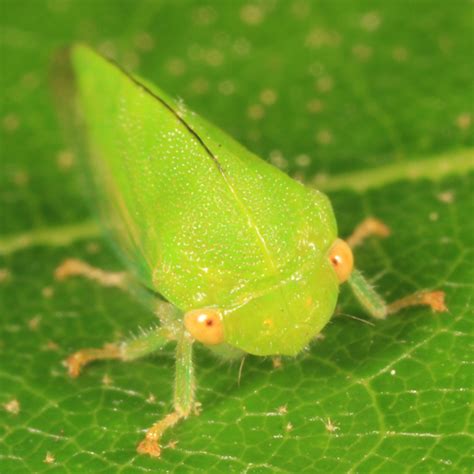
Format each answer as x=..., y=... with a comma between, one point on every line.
x=167, y=313
x=184, y=397
x=133, y=348
x=368, y=227
x=73, y=267
x=378, y=308
x=127, y=350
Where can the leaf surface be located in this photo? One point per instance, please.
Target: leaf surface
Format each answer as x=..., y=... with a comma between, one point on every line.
x=371, y=103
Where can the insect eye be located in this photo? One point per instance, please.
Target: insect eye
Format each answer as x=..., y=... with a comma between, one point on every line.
x=341, y=259
x=205, y=325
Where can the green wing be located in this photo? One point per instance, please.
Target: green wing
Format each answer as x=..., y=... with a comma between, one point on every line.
x=197, y=216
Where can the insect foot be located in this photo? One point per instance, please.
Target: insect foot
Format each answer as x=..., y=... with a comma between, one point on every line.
x=433, y=299
x=151, y=444
x=74, y=364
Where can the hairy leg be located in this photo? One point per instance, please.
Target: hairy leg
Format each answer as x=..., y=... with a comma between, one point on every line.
x=131, y=349
x=168, y=314
x=171, y=329
x=365, y=293
x=376, y=307
x=184, y=398
x=367, y=228
x=73, y=267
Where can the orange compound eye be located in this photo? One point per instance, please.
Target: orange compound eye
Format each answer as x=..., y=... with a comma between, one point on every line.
x=341, y=259
x=205, y=325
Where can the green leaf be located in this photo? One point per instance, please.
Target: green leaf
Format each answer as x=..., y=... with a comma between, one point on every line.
x=370, y=102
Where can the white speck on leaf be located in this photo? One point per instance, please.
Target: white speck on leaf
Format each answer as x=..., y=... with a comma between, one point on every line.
x=447, y=197
x=463, y=121
x=144, y=41
x=13, y=407
x=324, y=84
x=314, y=106
x=5, y=275
x=21, y=178
x=330, y=426
x=47, y=292
x=33, y=323
x=324, y=137
x=49, y=458
x=268, y=97
x=303, y=160
x=226, y=87
x=400, y=54
x=371, y=21
x=65, y=160
x=362, y=52
x=256, y=111
x=252, y=14
x=11, y=122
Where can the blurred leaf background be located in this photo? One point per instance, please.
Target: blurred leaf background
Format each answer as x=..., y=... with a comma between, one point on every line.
x=371, y=101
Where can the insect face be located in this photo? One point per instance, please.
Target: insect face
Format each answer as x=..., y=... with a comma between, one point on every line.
x=283, y=318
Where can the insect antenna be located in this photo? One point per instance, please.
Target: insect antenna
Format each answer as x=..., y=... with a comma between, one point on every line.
x=241, y=367
x=351, y=316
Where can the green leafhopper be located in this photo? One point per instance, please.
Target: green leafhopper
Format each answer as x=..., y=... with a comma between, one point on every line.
x=238, y=256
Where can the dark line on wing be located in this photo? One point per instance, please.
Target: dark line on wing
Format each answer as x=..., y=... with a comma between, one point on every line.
x=174, y=112
x=213, y=157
